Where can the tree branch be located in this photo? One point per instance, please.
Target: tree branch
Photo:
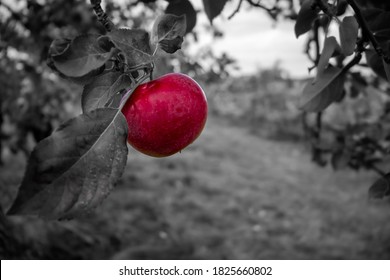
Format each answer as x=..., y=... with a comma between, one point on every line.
x=101, y=15
x=354, y=61
x=236, y=10
x=367, y=34
x=258, y=5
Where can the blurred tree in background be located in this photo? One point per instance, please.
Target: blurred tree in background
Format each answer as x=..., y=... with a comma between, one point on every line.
x=33, y=99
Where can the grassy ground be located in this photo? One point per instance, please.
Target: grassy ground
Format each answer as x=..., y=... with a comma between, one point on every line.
x=231, y=195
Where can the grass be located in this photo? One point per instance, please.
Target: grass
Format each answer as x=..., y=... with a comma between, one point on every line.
x=230, y=195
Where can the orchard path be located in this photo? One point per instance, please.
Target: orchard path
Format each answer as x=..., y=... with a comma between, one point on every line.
x=236, y=196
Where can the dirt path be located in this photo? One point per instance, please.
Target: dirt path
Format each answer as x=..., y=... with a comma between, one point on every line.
x=233, y=195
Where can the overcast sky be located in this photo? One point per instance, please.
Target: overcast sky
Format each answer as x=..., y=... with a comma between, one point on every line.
x=255, y=40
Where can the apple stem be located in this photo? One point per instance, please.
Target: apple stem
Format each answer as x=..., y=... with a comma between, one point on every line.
x=126, y=96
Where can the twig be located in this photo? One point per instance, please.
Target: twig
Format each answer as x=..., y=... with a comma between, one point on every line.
x=269, y=10
x=101, y=15
x=367, y=32
x=236, y=10
x=354, y=61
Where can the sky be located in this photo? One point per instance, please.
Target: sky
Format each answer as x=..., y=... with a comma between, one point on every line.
x=254, y=39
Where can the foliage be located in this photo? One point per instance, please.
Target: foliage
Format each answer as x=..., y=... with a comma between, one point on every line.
x=74, y=169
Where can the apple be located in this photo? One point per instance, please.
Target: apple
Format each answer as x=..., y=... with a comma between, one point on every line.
x=165, y=115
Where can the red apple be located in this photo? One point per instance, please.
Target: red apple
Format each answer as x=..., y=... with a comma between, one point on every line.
x=165, y=115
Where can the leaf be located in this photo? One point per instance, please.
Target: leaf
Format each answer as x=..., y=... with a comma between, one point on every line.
x=381, y=188
x=382, y=35
x=349, y=29
x=171, y=46
x=305, y=18
x=330, y=48
x=386, y=66
x=80, y=57
x=328, y=88
x=75, y=168
x=375, y=63
x=134, y=43
x=377, y=19
x=168, y=31
x=213, y=8
x=102, y=89
x=59, y=46
x=183, y=7
x=341, y=7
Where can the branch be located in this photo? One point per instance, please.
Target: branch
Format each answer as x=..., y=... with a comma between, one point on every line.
x=101, y=15
x=354, y=61
x=358, y=56
x=269, y=10
x=367, y=34
x=236, y=10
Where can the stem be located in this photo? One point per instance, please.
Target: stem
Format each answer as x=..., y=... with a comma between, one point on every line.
x=101, y=15
x=155, y=50
x=128, y=93
x=261, y=6
x=367, y=34
x=316, y=42
x=354, y=61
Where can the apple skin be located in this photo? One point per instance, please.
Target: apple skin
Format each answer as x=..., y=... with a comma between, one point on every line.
x=165, y=115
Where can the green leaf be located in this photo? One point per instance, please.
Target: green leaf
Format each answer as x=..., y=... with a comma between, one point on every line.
x=213, y=8
x=183, y=7
x=103, y=89
x=381, y=188
x=386, y=66
x=171, y=46
x=327, y=88
x=168, y=32
x=134, y=44
x=375, y=63
x=80, y=57
x=349, y=29
x=341, y=7
x=383, y=35
x=306, y=16
x=75, y=168
x=377, y=19
x=330, y=48
x=59, y=46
